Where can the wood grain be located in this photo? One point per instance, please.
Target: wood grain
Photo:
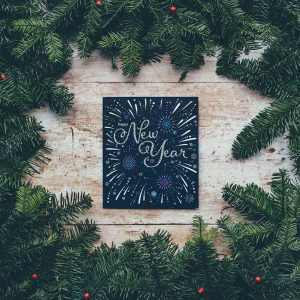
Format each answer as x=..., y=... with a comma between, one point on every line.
x=76, y=139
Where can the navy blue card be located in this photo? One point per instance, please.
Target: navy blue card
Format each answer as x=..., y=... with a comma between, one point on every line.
x=150, y=152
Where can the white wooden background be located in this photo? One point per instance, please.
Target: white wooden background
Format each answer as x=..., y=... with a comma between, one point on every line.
x=76, y=139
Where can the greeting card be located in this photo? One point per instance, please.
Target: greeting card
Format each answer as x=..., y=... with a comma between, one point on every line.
x=150, y=152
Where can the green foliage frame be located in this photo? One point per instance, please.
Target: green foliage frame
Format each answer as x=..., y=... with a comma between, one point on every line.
x=35, y=51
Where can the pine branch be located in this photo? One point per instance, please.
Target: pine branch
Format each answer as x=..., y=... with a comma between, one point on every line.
x=54, y=47
x=24, y=91
x=17, y=133
x=285, y=235
x=85, y=45
x=109, y=267
x=83, y=235
x=16, y=93
x=131, y=50
x=9, y=9
x=112, y=40
x=69, y=273
x=198, y=265
x=283, y=191
x=156, y=253
x=252, y=233
x=131, y=55
x=60, y=99
x=13, y=170
x=22, y=148
x=128, y=285
x=276, y=78
x=91, y=29
x=294, y=145
x=257, y=8
x=29, y=43
x=252, y=202
x=66, y=209
x=31, y=201
x=64, y=13
x=27, y=26
x=201, y=232
x=265, y=127
x=19, y=255
x=270, y=242
x=16, y=290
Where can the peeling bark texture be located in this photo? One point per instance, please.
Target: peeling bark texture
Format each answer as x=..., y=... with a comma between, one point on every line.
x=225, y=106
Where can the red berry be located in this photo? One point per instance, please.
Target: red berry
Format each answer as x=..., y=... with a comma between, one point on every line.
x=201, y=290
x=86, y=295
x=34, y=276
x=3, y=76
x=99, y=3
x=173, y=8
x=258, y=279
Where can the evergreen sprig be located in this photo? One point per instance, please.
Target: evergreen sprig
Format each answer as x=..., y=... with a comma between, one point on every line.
x=267, y=125
x=275, y=74
x=22, y=148
x=34, y=239
x=272, y=240
x=294, y=145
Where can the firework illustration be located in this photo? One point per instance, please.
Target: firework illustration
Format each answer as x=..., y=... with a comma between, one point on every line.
x=128, y=163
x=166, y=123
x=164, y=182
x=189, y=198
